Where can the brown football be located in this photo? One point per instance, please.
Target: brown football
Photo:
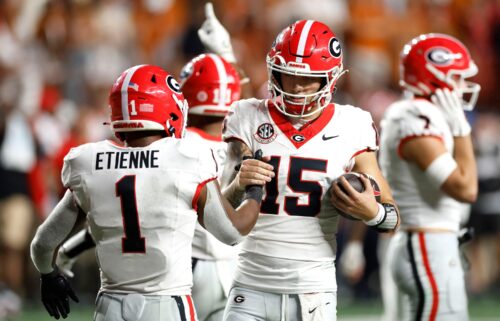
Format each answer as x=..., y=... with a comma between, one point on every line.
x=354, y=179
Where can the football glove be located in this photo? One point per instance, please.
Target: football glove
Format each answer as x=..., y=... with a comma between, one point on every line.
x=215, y=37
x=56, y=292
x=453, y=111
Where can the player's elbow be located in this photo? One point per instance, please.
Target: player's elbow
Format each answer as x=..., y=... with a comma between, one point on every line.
x=469, y=195
x=466, y=193
x=37, y=246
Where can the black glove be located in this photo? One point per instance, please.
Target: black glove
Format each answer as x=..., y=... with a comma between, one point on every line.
x=56, y=292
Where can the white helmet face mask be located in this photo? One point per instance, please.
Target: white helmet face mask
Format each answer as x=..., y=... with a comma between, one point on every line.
x=311, y=103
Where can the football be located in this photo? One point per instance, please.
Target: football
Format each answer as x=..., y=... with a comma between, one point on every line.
x=355, y=180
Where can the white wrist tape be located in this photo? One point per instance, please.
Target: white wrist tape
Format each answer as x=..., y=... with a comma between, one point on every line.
x=216, y=220
x=440, y=169
x=379, y=218
x=387, y=218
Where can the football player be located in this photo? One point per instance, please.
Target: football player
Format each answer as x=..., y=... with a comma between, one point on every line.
x=210, y=85
x=141, y=201
x=428, y=159
x=286, y=267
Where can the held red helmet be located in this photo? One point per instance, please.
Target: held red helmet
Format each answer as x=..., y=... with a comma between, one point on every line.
x=146, y=97
x=210, y=85
x=306, y=48
x=433, y=61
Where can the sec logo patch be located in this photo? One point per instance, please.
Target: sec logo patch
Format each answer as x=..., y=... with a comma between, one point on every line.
x=265, y=133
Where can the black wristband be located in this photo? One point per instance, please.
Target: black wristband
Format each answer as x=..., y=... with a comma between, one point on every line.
x=254, y=192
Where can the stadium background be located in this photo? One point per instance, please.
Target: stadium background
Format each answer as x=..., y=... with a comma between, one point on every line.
x=58, y=59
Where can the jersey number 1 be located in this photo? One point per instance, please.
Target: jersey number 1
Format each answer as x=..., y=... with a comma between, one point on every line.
x=133, y=242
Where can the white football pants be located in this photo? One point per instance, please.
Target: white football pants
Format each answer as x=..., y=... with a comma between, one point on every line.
x=137, y=307
x=211, y=284
x=250, y=305
x=427, y=268
x=391, y=298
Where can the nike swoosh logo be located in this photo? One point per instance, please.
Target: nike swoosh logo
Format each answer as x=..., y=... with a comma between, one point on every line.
x=329, y=137
x=314, y=309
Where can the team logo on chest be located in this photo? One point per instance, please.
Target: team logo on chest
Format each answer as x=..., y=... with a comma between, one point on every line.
x=298, y=138
x=265, y=133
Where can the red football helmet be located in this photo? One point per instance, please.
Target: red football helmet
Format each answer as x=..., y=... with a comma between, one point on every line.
x=306, y=48
x=433, y=61
x=146, y=97
x=210, y=85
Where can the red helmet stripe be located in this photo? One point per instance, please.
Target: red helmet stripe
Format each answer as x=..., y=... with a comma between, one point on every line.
x=124, y=90
x=304, y=35
x=221, y=72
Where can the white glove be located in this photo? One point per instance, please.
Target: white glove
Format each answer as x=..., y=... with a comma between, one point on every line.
x=451, y=106
x=214, y=36
x=352, y=261
x=65, y=263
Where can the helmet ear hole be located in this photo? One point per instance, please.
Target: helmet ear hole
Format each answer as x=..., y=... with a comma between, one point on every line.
x=153, y=79
x=174, y=116
x=277, y=77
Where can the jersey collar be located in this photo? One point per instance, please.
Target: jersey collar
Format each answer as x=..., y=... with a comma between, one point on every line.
x=298, y=137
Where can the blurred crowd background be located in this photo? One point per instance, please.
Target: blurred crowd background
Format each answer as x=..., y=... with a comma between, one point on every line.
x=59, y=58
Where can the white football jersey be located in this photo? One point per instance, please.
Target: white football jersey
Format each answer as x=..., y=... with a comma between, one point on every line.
x=420, y=203
x=205, y=245
x=141, y=209
x=292, y=247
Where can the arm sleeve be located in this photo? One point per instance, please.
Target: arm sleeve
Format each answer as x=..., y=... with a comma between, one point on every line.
x=238, y=122
x=53, y=232
x=216, y=219
x=208, y=168
x=418, y=122
x=369, y=139
x=71, y=175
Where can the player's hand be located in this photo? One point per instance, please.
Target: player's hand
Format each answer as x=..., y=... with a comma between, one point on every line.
x=352, y=261
x=451, y=106
x=56, y=292
x=360, y=205
x=214, y=36
x=254, y=172
x=65, y=263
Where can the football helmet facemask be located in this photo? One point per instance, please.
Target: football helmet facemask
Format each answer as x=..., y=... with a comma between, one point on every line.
x=210, y=85
x=437, y=61
x=306, y=48
x=146, y=98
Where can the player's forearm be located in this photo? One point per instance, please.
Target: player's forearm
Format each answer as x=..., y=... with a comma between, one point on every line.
x=246, y=216
x=464, y=180
x=52, y=232
x=233, y=194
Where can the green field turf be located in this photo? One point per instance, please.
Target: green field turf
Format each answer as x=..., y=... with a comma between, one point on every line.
x=487, y=309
